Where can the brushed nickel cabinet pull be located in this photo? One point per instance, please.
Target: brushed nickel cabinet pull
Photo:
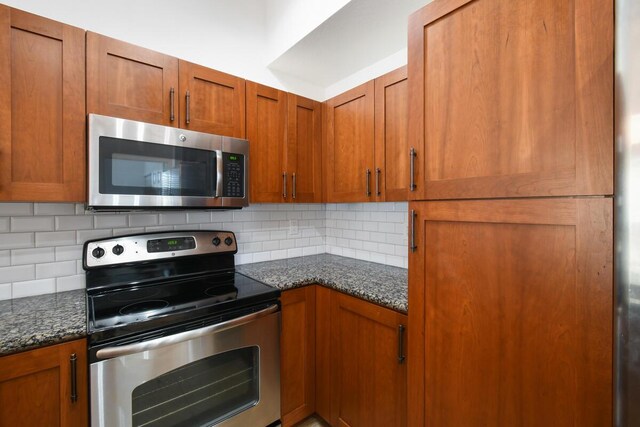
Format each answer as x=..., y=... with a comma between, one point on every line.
x=188, y=107
x=293, y=190
x=413, y=231
x=284, y=185
x=73, y=360
x=401, y=356
x=172, y=100
x=368, y=185
x=412, y=161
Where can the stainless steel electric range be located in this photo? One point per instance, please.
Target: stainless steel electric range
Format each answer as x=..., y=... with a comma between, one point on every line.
x=176, y=336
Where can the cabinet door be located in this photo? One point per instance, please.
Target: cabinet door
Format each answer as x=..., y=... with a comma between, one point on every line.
x=369, y=377
x=392, y=146
x=36, y=387
x=349, y=145
x=211, y=101
x=266, y=132
x=42, y=136
x=297, y=349
x=514, y=300
x=512, y=98
x=131, y=82
x=323, y=352
x=304, y=149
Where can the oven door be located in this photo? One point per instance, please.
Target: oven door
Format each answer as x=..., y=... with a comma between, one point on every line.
x=226, y=374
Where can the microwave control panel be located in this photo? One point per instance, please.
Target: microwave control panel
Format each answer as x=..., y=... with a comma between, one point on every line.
x=233, y=175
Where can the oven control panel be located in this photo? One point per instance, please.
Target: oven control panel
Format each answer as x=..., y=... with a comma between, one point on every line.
x=156, y=246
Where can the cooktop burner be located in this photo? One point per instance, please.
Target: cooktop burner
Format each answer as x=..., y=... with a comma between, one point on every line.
x=144, y=306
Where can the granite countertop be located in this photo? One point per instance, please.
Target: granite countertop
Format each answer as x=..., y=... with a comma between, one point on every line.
x=378, y=283
x=36, y=321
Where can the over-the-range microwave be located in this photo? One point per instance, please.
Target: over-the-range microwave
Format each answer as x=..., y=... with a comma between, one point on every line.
x=135, y=165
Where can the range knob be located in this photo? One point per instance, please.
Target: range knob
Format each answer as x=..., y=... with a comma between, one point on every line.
x=228, y=241
x=216, y=241
x=117, y=250
x=97, y=252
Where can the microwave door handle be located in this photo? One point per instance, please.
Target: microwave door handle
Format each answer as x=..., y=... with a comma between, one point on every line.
x=111, y=352
x=219, y=173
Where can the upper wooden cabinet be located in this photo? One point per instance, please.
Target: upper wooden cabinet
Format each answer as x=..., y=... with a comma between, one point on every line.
x=511, y=313
x=369, y=371
x=304, y=149
x=42, y=126
x=266, y=132
x=40, y=388
x=511, y=98
x=211, y=101
x=131, y=82
x=391, y=143
x=349, y=155
x=297, y=354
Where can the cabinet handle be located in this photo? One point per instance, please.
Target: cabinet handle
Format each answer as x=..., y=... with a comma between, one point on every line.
x=413, y=231
x=172, y=100
x=368, y=185
x=284, y=185
x=73, y=360
x=412, y=166
x=293, y=190
x=401, y=356
x=378, y=172
x=188, y=107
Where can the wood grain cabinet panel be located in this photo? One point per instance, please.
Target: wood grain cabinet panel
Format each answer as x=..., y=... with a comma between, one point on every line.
x=35, y=387
x=369, y=380
x=211, y=101
x=297, y=354
x=128, y=81
x=266, y=132
x=512, y=99
x=304, y=149
x=514, y=303
x=391, y=142
x=42, y=141
x=350, y=168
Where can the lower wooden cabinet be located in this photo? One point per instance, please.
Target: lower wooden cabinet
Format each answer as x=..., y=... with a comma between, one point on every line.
x=342, y=358
x=37, y=387
x=511, y=313
x=297, y=355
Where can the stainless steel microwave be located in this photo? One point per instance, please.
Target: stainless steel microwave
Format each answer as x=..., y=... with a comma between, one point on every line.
x=135, y=165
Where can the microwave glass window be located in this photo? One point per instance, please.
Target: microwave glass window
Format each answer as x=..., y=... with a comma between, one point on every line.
x=142, y=168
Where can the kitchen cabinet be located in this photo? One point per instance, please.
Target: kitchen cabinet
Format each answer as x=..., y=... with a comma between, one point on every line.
x=369, y=369
x=304, y=149
x=267, y=133
x=349, y=142
x=37, y=387
x=211, y=101
x=323, y=352
x=42, y=136
x=511, y=99
x=297, y=354
x=128, y=81
x=392, y=154
x=511, y=312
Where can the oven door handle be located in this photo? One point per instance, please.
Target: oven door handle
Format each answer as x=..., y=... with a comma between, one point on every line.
x=111, y=352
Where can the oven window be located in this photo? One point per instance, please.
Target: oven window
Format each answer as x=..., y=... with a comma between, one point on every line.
x=143, y=168
x=200, y=393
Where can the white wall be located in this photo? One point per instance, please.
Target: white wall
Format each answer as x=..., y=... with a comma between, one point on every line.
x=41, y=243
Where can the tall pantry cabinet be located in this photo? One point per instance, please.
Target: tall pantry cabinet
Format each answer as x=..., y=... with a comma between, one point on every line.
x=510, y=267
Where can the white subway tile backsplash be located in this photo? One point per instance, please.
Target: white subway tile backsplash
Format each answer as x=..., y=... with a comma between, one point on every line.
x=55, y=238
x=33, y=287
x=32, y=223
x=32, y=256
x=41, y=243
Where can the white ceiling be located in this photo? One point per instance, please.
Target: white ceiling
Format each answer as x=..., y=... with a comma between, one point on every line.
x=358, y=35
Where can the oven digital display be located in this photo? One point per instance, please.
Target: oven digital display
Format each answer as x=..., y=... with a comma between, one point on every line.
x=169, y=245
